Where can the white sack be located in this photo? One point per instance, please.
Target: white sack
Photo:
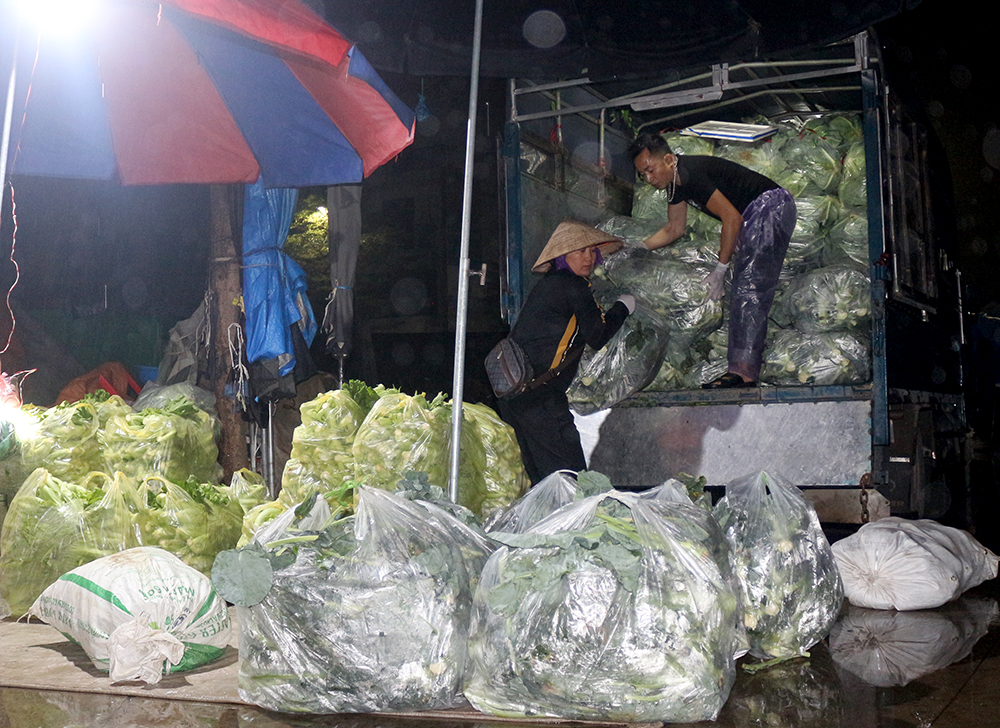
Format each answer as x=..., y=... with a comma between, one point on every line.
x=896, y=563
x=131, y=610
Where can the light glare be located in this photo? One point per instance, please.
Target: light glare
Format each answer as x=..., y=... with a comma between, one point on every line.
x=58, y=17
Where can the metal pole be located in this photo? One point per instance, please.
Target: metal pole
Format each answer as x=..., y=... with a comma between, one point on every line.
x=8, y=116
x=269, y=451
x=462, y=307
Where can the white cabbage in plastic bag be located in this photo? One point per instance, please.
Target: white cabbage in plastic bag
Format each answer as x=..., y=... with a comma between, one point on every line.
x=791, y=589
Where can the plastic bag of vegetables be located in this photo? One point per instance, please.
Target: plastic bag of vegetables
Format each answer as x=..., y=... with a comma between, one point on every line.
x=816, y=215
x=365, y=613
x=847, y=241
x=819, y=159
x=649, y=204
x=694, y=251
x=853, y=189
x=193, y=521
x=176, y=441
x=66, y=443
x=671, y=289
x=505, y=479
x=833, y=298
x=702, y=226
x=686, y=144
x=632, y=231
x=613, y=608
x=472, y=463
x=400, y=434
x=54, y=526
x=549, y=495
x=762, y=157
x=138, y=614
x=625, y=365
x=836, y=357
x=840, y=130
x=322, y=453
x=791, y=588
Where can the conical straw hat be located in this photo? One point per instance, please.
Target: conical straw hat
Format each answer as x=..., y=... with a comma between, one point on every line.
x=570, y=236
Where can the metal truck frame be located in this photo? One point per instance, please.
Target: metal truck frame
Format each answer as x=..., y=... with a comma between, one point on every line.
x=895, y=444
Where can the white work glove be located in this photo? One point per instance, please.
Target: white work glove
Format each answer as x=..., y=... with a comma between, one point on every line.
x=629, y=300
x=713, y=281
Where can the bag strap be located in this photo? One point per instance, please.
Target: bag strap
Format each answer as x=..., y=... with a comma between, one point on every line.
x=571, y=356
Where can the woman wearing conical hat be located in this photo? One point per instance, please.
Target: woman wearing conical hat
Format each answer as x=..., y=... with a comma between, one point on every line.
x=559, y=318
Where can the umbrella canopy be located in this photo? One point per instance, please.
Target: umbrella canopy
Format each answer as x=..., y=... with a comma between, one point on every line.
x=202, y=91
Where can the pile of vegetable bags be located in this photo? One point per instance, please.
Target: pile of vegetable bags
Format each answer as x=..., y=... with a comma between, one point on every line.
x=375, y=436
x=819, y=331
x=54, y=526
x=791, y=587
x=363, y=613
x=615, y=607
x=103, y=477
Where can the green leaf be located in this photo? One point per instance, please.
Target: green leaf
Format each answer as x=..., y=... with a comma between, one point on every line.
x=242, y=576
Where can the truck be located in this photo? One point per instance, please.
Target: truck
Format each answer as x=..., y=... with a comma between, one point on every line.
x=895, y=442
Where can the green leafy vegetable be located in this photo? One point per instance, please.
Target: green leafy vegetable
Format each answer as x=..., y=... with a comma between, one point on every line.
x=322, y=456
x=242, y=577
x=176, y=441
x=366, y=613
x=791, y=587
x=615, y=607
x=54, y=526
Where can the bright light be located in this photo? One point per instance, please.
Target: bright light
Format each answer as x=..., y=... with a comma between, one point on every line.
x=58, y=17
x=25, y=425
x=321, y=210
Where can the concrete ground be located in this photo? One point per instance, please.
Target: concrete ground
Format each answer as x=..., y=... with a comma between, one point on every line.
x=930, y=669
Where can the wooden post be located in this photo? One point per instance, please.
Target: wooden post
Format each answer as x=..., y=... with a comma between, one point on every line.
x=225, y=297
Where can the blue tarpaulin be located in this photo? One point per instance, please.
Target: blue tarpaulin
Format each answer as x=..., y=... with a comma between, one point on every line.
x=274, y=285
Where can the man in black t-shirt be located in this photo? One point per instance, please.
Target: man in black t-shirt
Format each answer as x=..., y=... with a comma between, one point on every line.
x=758, y=218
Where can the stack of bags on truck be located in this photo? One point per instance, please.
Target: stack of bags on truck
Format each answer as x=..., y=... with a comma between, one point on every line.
x=820, y=320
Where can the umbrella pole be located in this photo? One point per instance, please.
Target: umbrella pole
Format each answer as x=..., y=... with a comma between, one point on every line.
x=462, y=307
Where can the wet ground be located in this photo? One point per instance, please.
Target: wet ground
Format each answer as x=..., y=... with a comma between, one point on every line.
x=930, y=669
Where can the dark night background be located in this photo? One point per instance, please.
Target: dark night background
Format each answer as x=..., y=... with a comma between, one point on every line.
x=105, y=271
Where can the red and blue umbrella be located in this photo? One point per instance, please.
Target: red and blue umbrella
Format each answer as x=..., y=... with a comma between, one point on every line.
x=201, y=91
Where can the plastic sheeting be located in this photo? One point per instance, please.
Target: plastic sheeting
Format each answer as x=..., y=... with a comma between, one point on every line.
x=274, y=285
x=767, y=227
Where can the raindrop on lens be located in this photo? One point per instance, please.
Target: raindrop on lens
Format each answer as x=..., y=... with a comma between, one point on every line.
x=408, y=296
x=369, y=32
x=544, y=29
x=961, y=77
x=991, y=148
